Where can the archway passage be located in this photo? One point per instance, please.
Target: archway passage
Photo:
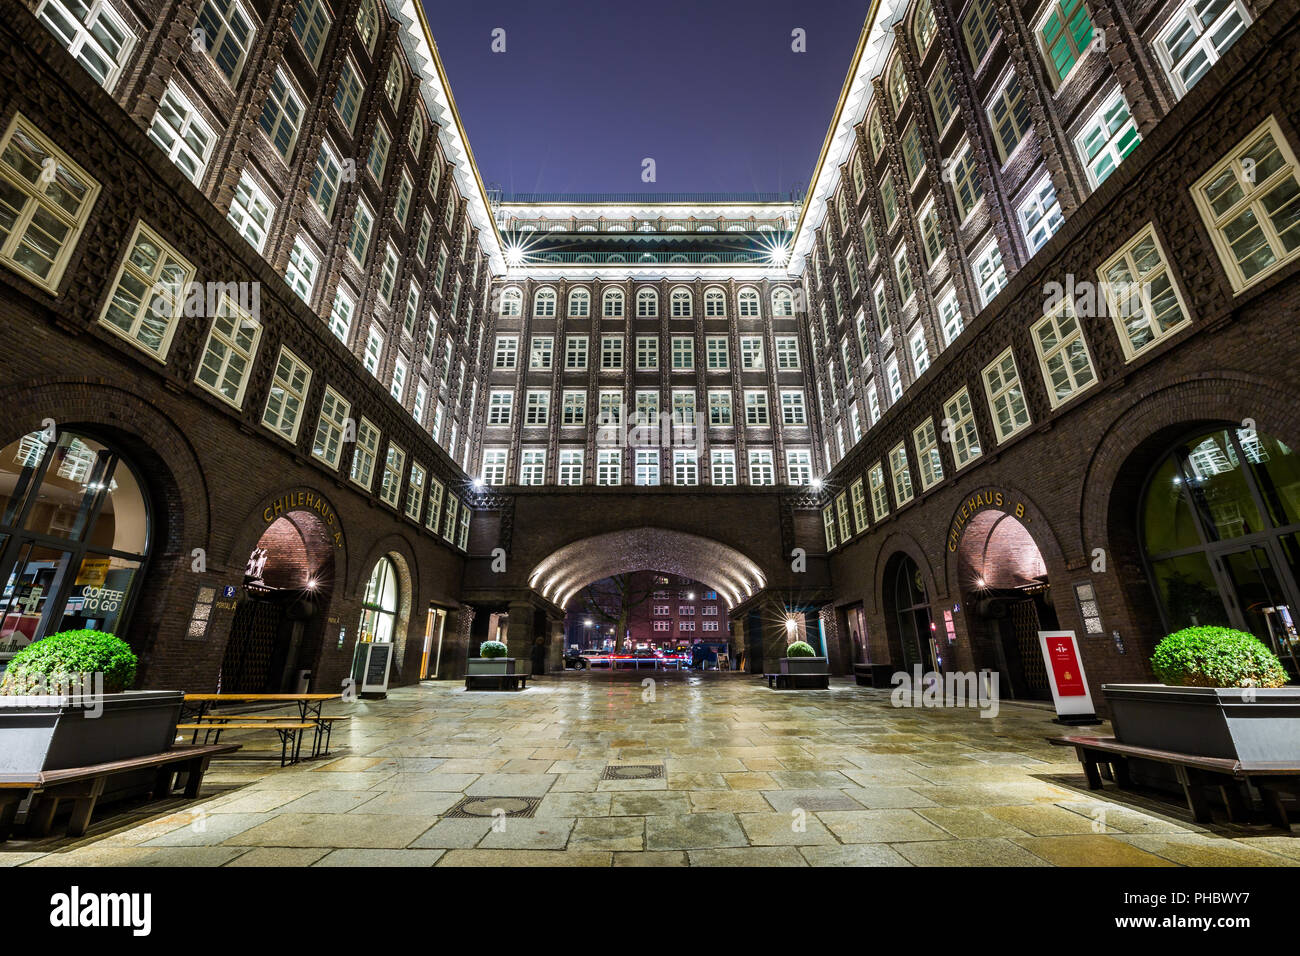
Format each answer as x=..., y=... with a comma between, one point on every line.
x=277, y=626
x=1003, y=580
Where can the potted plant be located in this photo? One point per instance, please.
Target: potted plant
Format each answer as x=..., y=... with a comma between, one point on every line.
x=1221, y=695
x=492, y=659
x=800, y=658
x=64, y=703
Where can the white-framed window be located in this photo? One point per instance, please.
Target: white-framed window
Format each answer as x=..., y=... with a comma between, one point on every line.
x=979, y=29
x=889, y=198
x=325, y=178
x=828, y=524
x=959, y=423
x=647, y=407
x=1250, y=202
x=609, y=466
x=612, y=304
x=873, y=400
x=575, y=352
x=301, y=271
x=331, y=428
x=449, y=517
x=345, y=306
x=363, y=219
x=394, y=82
x=388, y=275
x=1040, y=213
x=495, y=461
x=397, y=387
x=893, y=380
x=990, y=273
x=858, y=502
x=747, y=303
x=793, y=411
x=251, y=212
x=225, y=31
x=647, y=466
x=421, y=399
x=879, y=493
x=931, y=239
x=1107, y=136
x=579, y=303
x=943, y=95
x=377, y=160
x=719, y=408
x=537, y=407
x=611, y=352
x=415, y=138
x=1063, y=353
x=365, y=454
x=647, y=352
x=798, y=466
x=512, y=300
x=756, y=407
x=390, y=483
x=787, y=353
x=842, y=512
x=681, y=303
x=855, y=423
x=501, y=404
x=1009, y=117
x=967, y=186
x=93, y=33
x=722, y=466
x=1141, y=295
x=541, y=352
x=610, y=408
x=532, y=466
x=402, y=206
x=685, y=470
x=462, y=528
x=715, y=303
x=544, y=303
x=227, y=359
x=717, y=354
x=751, y=353
x=647, y=303
x=288, y=395
x=182, y=133
x=574, y=410
x=426, y=232
x=282, y=114
x=374, y=350
x=148, y=293
x=920, y=351
x=434, y=511
x=347, y=95
x=906, y=288
x=683, y=353
x=570, y=472
x=950, y=316
x=507, y=352
x=927, y=454
x=1006, y=396
x=761, y=470
x=913, y=156
x=1196, y=37
x=415, y=491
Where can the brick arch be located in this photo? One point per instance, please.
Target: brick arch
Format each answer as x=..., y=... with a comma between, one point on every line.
x=398, y=550
x=900, y=543
x=1032, y=519
x=254, y=524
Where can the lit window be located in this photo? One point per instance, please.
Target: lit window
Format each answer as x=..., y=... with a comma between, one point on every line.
x=1108, y=136
x=1065, y=34
x=989, y=272
x=365, y=454
x=1009, y=116
x=227, y=359
x=251, y=212
x=1063, y=353
x=1006, y=396
x=93, y=33
x=959, y=420
x=901, y=474
x=302, y=268
x=1040, y=214
x=181, y=132
x=390, y=485
x=1140, y=292
x=1196, y=37
x=284, y=403
x=225, y=31
x=148, y=293
x=331, y=428
x=927, y=454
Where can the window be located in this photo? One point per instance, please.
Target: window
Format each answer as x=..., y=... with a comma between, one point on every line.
x=251, y=212
x=148, y=293
x=532, y=466
x=798, y=467
x=920, y=352
x=331, y=428
x=959, y=423
x=181, y=132
x=507, y=352
x=1196, y=37
x=301, y=270
x=913, y=157
x=751, y=353
x=683, y=349
x=398, y=385
x=889, y=197
x=715, y=347
x=610, y=411
x=402, y=207
x=685, y=472
x=494, y=466
x=879, y=493
x=570, y=466
x=927, y=454
x=368, y=23
x=541, y=352
x=923, y=26
x=228, y=353
x=226, y=34
x=761, y=471
x=719, y=408
x=1040, y=214
x=1009, y=116
x=359, y=236
x=904, y=275
x=787, y=353
x=980, y=29
x=341, y=315
x=394, y=82
x=647, y=303
x=374, y=349
x=897, y=85
x=434, y=511
x=894, y=380
x=989, y=272
x=747, y=304
x=1251, y=205
x=611, y=352
x=281, y=115
x=609, y=466
x=647, y=466
x=365, y=454
x=792, y=408
x=756, y=407
x=647, y=407
x=967, y=185
x=1108, y=136
x=612, y=304
x=722, y=466
x=388, y=275
x=1006, y=396
x=647, y=352
x=869, y=240
x=449, y=515
x=347, y=97
x=415, y=491
x=93, y=33
x=579, y=303
x=931, y=240
x=415, y=138
x=544, y=301
x=377, y=161
x=828, y=523
x=943, y=95
x=680, y=303
x=1065, y=34
x=575, y=409
x=875, y=135
x=575, y=352
x=1141, y=295
x=500, y=407
x=311, y=27
x=902, y=476
x=950, y=316
x=537, y=408
x=390, y=484
x=324, y=186
x=1063, y=353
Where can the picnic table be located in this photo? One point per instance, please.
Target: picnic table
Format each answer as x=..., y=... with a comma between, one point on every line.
x=196, y=711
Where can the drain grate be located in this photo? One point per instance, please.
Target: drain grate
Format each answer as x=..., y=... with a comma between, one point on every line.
x=478, y=808
x=632, y=771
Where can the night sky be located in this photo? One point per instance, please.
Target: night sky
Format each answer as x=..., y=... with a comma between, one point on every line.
x=585, y=90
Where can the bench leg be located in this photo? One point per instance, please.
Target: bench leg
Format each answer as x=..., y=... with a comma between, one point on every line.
x=163, y=783
x=40, y=815
x=83, y=807
x=195, y=769
x=1090, y=771
x=1119, y=767
x=8, y=811
x=1275, y=808
x=1238, y=806
x=1196, y=802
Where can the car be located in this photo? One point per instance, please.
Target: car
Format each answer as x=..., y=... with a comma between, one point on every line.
x=582, y=659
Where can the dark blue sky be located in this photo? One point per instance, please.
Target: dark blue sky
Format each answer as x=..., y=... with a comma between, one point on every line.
x=586, y=89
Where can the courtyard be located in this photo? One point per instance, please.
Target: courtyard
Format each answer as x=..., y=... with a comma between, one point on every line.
x=689, y=769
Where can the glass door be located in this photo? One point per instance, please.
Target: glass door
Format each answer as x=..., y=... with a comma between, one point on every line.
x=1263, y=605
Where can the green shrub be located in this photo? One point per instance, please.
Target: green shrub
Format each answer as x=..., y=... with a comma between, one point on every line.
x=491, y=649
x=1216, y=657
x=63, y=659
x=800, y=649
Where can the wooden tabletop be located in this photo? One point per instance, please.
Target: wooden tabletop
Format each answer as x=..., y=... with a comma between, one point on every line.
x=195, y=698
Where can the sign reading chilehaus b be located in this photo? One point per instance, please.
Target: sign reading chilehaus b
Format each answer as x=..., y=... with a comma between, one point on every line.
x=989, y=498
x=309, y=501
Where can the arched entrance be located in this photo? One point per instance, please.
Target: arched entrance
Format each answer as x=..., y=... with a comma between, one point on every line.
x=75, y=536
x=907, y=606
x=1220, y=534
x=278, y=624
x=1004, y=587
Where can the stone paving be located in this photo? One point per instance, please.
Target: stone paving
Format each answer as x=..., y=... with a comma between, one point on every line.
x=750, y=776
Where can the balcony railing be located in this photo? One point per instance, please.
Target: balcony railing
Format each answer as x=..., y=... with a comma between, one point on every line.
x=648, y=226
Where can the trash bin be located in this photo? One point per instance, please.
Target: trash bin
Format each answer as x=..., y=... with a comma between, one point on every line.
x=304, y=681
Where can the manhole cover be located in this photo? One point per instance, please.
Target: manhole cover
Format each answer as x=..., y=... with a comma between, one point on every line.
x=632, y=772
x=473, y=807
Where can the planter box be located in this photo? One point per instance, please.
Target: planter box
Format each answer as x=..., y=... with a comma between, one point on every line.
x=878, y=676
x=491, y=665
x=60, y=734
x=804, y=665
x=1208, y=721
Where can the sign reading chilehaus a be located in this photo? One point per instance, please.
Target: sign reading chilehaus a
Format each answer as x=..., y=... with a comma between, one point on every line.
x=305, y=500
x=988, y=498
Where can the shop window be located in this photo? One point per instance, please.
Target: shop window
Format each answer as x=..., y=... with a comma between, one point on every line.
x=379, y=604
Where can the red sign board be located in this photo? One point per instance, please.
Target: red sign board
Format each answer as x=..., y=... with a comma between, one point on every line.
x=1065, y=667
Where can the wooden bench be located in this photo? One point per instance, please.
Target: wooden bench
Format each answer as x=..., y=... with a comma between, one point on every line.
x=497, y=681
x=805, y=681
x=324, y=725
x=84, y=785
x=290, y=733
x=1195, y=775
